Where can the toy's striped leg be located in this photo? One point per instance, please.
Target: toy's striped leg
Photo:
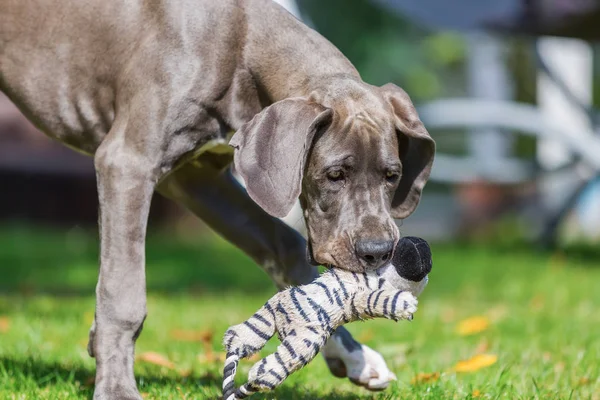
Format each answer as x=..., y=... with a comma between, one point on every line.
x=242, y=341
x=390, y=304
x=295, y=351
x=229, y=371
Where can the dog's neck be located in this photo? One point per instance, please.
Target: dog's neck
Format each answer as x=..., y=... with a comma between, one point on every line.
x=289, y=72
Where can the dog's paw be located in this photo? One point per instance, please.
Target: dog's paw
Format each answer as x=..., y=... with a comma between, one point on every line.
x=362, y=365
x=405, y=305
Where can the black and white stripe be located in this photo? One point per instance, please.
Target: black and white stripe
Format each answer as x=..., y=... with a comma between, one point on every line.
x=304, y=318
x=231, y=363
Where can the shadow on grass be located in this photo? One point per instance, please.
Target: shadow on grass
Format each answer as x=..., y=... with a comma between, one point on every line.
x=49, y=374
x=293, y=393
x=46, y=374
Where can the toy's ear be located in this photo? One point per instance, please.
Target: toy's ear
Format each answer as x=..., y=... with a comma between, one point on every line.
x=412, y=258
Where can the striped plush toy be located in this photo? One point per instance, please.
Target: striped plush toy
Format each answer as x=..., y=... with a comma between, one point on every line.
x=304, y=317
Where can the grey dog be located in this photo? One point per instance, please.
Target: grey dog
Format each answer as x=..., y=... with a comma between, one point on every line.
x=151, y=89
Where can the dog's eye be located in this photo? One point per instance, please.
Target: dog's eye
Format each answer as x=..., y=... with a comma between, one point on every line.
x=392, y=176
x=335, y=175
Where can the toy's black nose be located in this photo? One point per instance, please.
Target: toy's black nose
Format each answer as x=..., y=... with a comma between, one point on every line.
x=412, y=258
x=374, y=253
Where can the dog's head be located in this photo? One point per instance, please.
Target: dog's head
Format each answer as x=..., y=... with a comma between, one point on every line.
x=356, y=159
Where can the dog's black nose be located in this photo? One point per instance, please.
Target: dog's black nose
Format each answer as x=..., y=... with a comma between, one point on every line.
x=374, y=253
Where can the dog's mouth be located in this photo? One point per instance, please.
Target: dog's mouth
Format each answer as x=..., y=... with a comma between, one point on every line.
x=335, y=254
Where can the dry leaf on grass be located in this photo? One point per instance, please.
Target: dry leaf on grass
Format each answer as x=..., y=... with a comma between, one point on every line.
x=151, y=357
x=423, y=377
x=473, y=325
x=4, y=324
x=583, y=381
x=482, y=346
x=192, y=336
x=209, y=355
x=212, y=357
x=475, y=363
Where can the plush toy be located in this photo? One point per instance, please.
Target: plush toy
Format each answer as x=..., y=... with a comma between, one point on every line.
x=304, y=317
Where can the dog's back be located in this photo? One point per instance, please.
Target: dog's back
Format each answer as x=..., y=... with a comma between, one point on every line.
x=58, y=64
x=68, y=65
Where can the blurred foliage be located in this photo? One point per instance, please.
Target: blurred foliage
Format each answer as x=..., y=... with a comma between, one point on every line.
x=385, y=47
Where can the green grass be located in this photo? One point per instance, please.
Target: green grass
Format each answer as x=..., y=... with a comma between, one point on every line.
x=544, y=311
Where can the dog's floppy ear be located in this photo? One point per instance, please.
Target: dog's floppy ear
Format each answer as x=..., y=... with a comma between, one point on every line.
x=271, y=151
x=416, y=150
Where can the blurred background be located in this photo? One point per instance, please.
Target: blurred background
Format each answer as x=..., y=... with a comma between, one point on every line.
x=509, y=89
x=512, y=111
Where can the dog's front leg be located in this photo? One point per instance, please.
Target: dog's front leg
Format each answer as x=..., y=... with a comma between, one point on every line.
x=125, y=185
x=220, y=201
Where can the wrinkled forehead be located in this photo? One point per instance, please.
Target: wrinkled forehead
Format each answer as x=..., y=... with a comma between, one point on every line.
x=360, y=138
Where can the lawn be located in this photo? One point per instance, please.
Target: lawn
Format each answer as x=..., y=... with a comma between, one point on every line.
x=525, y=324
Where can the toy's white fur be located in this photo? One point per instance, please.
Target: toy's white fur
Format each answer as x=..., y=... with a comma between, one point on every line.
x=304, y=318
